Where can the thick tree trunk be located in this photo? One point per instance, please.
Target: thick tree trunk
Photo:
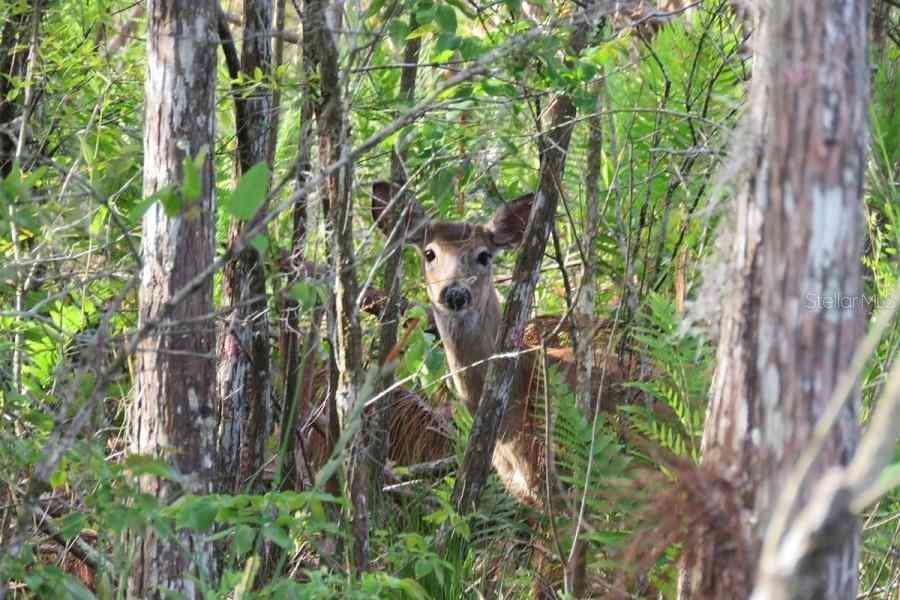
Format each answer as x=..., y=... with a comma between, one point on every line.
x=173, y=415
x=794, y=313
x=244, y=379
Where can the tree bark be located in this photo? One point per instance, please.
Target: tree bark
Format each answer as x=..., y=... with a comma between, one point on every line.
x=296, y=404
x=794, y=314
x=13, y=58
x=173, y=415
x=379, y=431
x=495, y=397
x=244, y=379
x=587, y=289
x=346, y=333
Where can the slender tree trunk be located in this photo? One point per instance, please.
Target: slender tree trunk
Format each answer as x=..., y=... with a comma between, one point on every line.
x=277, y=60
x=495, y=397
x=583, y=312
x=20, y=58
x=794, y=313
x=13, y=58
x=173, y=415
x=298, y=368
x=244, y=379
x=346, y=333
x=587, y=292
x=393, y=272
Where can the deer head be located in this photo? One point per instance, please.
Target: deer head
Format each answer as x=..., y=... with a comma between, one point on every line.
x=457, y=256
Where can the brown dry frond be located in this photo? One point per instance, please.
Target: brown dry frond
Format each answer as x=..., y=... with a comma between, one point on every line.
x=698, y=507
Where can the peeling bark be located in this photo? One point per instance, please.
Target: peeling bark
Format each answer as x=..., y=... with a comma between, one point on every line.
x=173, y=416
x=794, y=313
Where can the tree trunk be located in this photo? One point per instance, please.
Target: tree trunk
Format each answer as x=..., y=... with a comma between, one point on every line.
x=495, y=397
x=173, y=415
x=794, y=314
x=13, y=55
x=346, y=333
x=244, y=379
x=296, y=405
x=379, y=431
x=587, y=289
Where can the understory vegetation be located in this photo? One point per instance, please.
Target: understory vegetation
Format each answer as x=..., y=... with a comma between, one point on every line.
x=659, y=105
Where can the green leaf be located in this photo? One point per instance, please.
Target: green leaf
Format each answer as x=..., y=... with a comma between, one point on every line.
x=471, y=48
x=446, y=18
x=249, y=194
x=425, y=13
x=196, y=513
x=170, y=201
x=514, y=6
x=374, y=8
x=70, y=525
x=76, y=590
x=138, y=210
x=398, y=30
x=61, y=475
x=446, y=42
x=260, y=242
x=244, y=536
x=423, y=30
x=192, y=186
x=423, y=568
x=305, y=293
x=278, y=536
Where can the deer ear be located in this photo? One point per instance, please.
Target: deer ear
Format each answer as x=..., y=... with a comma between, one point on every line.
x=510, y=221
x=416, y=218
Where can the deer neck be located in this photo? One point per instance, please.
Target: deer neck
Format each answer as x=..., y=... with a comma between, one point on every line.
x=468, y=342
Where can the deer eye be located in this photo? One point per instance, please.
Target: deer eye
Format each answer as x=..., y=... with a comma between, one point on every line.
x=484, y=258
x=429, y=255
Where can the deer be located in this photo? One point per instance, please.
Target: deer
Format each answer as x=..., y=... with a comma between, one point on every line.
x=457, y=260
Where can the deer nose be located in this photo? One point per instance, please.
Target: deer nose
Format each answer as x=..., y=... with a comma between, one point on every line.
x=456, y=297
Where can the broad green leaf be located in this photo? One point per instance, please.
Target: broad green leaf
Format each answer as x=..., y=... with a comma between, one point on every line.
x=171, y=202
x=423, y=568
x=278, y=536
x=60, y=476
x=305, y=293
x=244, y=536
x=249, y=194
x=398, y=30
x=75, y=590
x=195, y=512
x=446, y=42
x=446, y=18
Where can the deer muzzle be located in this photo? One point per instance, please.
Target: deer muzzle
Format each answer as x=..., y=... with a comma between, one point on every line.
x=456, y=297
